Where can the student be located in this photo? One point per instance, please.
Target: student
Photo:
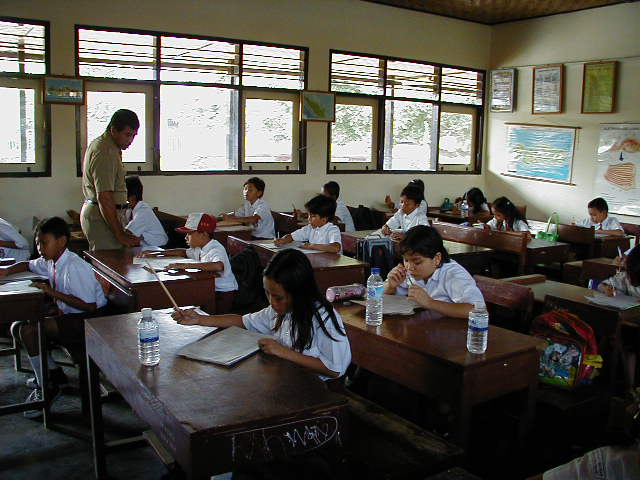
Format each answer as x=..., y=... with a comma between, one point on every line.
x=599, y=218
x=210, y=255
x=319, y=233
x=506, y=217
x=12, y=244
x=255, y=210
x=76, y=292
x=332, y=189
x=430, y=277
x=142, y=220
x=307, y=330
x=476, y=201
x=626, y=282
x=396, y=205
x=409, y=215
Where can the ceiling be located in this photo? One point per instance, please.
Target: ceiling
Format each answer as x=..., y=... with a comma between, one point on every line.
x=491, y=12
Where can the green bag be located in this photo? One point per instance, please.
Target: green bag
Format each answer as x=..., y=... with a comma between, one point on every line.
x=446, y=205
x=547, y=235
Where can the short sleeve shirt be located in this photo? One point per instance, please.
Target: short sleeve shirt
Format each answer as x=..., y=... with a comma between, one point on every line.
x=215, y=252
x=103, y=170
x=8, y=233
x=518, y=226
x=263, y=228
x=403, y=221
x=324, y=235
x=342, y=212
x=145, y=224
x=609, y=223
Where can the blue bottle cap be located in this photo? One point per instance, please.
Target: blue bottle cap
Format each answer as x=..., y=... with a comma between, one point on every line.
x=375, y=271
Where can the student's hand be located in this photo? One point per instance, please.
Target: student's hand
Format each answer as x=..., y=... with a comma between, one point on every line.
x=271, y=347
x=420, y=296
x=44, y=286
x=186, y=317
x=397, y=236
x=309, y=246
x=396, y=276
x=619, y=260
x=607, y=289
x=389, y=202
x=279, y=242
x=386, y=230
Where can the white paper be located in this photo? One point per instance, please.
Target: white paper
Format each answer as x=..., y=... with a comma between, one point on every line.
x=160, y=263
x=22, y=276
x=224, y=348
x=621, y=302
x=294, y=245
x=394, y=305
x=19, y=286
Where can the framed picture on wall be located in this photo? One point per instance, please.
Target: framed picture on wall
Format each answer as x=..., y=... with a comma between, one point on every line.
x=599, y=87
x=67, y=90
x=317, y=106
x=548, y=89
x=503, y=83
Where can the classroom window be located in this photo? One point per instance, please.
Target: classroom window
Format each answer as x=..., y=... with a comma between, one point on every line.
x=242, y=97
x=429, y=115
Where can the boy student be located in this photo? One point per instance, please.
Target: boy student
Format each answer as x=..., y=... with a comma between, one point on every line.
x=409, y=215
x=12, y=244
x=319, y=234
x=76, y=292
x=255, y=210
x=142, y=221
x=599, y=218
x=332, y=190
x=210, y=255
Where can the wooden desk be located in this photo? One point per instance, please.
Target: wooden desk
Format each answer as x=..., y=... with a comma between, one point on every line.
x=132, y=287
x=452, y=216
x=430, y=356
x=598, y=268
x=545, y=252
x=241, y=231
x=210, y=418
x=607, y=246
x=329, y=269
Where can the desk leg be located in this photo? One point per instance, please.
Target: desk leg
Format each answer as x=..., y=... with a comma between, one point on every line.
x=44, y=372
x=528, y=413
x=97, y=428
x=463, y=419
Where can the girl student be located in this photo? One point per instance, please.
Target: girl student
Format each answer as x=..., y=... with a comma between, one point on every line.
x=626, y=282
x=408, y=215
x=476, y=200
x=393, y=206
x=506, y=217
x=430, y=277
x=306, y=328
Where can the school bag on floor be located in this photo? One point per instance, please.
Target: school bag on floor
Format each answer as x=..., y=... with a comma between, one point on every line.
x=570, y=355
x=248, y=272
x=377, y=252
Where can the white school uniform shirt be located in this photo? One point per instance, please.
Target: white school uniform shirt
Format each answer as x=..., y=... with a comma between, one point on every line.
x=145, y=224
x=422, y=207
x=324, y=235
x=609, y=223
x=264, y=227
x=8, y=233
x=621, y=283
x=345, y=216
x=518, y=225
x=215, y=252
x=449, y=283
x=334, y=354
x=402, y=221
x=72, y=276
x=604, y=463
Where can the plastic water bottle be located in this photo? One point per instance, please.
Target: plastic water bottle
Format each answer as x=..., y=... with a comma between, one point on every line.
x=478, y=329
x=464, y=207
x=375, y=292
x=148, y=339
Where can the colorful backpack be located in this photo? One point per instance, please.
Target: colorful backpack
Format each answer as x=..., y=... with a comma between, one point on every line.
x=570, y=356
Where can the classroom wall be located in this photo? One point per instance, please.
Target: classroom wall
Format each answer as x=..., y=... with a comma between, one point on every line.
x=318, y=24
x=571, y=39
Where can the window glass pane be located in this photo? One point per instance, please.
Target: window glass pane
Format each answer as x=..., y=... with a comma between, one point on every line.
x=275, y=67
x=354, y=74
x=116, y=55
x=455, y=138
x=412, y=80
x=102, y=105
x=462, y=86
x=22, y=47
x=268, y=133
x=195, y=60
x=17, y=123
x=408, y=135
x=352, y=133
x=197, y=128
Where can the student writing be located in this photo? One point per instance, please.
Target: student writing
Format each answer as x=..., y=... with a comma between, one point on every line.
x=626, y=282
x=507, y=217
x=409, y=215
x=599, y=218
x=255, y=211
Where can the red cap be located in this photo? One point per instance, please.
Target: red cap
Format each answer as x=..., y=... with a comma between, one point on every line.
x=198, y=222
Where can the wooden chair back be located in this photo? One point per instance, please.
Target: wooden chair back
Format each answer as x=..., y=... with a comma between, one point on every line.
x=632, y=229
x=169, y=223
x=285, y=223
x=510, y=305
x=581, y=239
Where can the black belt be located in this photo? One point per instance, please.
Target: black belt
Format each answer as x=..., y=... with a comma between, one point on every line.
x=119, y=206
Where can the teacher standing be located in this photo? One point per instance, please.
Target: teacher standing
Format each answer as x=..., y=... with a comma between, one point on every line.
x=103, y=185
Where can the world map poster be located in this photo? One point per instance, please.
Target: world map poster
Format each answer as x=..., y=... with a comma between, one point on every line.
x=618, y=167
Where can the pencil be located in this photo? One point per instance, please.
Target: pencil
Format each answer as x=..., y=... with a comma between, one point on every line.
x=166, y=290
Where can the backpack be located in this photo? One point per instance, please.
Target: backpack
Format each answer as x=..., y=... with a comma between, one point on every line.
x=248, y=272
x=570, y=355
x=377, y=252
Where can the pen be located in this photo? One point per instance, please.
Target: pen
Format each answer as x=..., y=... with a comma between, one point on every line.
x=619, y=252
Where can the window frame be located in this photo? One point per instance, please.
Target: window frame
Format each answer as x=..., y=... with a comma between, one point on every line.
x=478, y=128
x=45, y=115
x=157, y=103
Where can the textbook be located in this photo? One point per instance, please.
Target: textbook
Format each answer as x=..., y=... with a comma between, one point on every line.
x=226, y=347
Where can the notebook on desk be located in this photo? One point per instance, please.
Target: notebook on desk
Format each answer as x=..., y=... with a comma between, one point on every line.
x=621, y=302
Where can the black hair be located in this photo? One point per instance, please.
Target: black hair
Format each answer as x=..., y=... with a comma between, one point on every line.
x=418, y=183
x=256, y=182
x=475, y=198
x=321, y=205
x=599, y=204
x=332, y=188
x=134, y=187
x=425, y=241
x=632, y=264
x=413, y=192
x=56, y=226
x=511, y=214
x=292, y=269
x=124, y=118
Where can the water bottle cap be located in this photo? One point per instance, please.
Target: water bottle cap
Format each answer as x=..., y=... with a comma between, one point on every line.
x=479, y=306
x=147, y=312
x=375, y=271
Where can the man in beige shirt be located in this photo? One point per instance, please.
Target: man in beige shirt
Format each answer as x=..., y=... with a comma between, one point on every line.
x=103, y=185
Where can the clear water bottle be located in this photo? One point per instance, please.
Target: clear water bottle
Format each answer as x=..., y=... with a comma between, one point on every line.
x=478, y=329
x=148, y=339
x=465, y=206
x=375, y=293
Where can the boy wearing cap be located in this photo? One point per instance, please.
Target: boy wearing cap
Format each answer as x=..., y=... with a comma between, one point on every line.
x=209, y=254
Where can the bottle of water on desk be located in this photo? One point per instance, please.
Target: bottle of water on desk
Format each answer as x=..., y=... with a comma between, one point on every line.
x=478, y=329
x=148, y=339
x=375, y=293
x=464, y=207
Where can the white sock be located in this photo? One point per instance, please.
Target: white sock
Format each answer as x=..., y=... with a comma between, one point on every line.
x=35, y=364
x=52, y=363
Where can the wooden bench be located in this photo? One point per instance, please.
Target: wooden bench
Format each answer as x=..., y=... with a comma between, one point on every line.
x=510, y=305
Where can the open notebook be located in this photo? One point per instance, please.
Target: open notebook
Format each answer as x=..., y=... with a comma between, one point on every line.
x=621, y=302
x=394, y=305
x=294, y=245
x=226, y=347
x=22, y=286
x=160, y=263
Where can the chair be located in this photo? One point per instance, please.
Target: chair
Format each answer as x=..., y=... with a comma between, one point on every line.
x=632, y=229
x=169, y=223
x=509, y=305
x=284, y=223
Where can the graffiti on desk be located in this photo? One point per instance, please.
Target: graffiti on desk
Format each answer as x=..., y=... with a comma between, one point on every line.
x=284, y=440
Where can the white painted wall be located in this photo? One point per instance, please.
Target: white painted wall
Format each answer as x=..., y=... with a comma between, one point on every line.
x=319, y=24
x=591, y=35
